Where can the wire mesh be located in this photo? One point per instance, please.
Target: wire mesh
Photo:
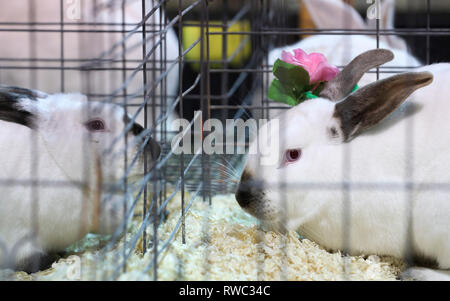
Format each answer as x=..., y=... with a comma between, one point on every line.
x=159, y=60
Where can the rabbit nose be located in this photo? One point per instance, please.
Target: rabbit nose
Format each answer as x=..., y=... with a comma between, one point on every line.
x=243, y=195
x=247, y=191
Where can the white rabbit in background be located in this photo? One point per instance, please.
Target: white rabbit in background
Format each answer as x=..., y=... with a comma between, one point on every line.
x=88, y=44
x=340, y=49
x=74, y=150
x=340, y=138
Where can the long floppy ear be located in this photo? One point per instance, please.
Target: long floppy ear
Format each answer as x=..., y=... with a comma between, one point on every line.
x=345, y=81
x=371, y=104
x=334, y=14
x=11, y=108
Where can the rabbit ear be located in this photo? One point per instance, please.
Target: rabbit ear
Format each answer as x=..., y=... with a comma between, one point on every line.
x=334, y=14
x=346, y=80
x=372, y=103
x=386, y=15
x=152, y=148
x=12, y=108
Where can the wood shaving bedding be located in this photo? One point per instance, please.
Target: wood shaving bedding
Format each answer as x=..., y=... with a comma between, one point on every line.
x=222, y=243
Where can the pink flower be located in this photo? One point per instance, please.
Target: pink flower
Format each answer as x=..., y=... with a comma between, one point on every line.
x=315, y=63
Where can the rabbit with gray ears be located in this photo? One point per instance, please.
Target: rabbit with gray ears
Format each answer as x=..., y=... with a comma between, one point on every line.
x=61, y=162
x=346, y=173
x=97, y=47
x=340, y=49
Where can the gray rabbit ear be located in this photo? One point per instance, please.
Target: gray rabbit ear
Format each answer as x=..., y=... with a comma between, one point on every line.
x=345, y=81
x=372, y=103
x=11, y=109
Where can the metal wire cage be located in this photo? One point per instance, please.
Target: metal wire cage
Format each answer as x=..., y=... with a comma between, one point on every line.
x=160, y=60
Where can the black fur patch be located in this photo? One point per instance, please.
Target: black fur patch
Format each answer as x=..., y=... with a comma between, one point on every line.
x=9, y=111
x=136, y=129
x=20, y=92
x=37, y=262
x=423, y=261
x=152, y=149
x=249, y=191
x=333, y=132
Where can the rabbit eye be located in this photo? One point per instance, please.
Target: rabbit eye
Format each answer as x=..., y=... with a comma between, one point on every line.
x=293, y=155
x=95, y=125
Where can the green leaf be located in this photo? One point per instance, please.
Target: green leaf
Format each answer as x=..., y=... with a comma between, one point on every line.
x=291, y=75
x=278, y=93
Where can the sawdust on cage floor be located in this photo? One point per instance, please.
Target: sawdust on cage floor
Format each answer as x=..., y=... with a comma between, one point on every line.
x=222, y=243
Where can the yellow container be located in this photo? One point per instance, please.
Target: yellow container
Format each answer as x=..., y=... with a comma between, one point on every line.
x=238, y=45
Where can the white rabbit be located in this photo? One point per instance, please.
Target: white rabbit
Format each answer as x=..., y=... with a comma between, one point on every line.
x=339, y=49
x=74, y=150
x=385, y=191
x=89, y=44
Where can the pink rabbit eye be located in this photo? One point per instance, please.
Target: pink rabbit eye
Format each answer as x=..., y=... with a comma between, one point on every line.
x=293, y=155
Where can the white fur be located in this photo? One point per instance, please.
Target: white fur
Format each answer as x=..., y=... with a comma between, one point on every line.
x=88, y=45
x=377, y=206
x=65, y=156
x=424, y=274
x=341, y=49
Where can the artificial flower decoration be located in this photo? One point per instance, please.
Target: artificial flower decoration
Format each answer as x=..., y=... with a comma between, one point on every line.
x=315, y=63
x=300, y=76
